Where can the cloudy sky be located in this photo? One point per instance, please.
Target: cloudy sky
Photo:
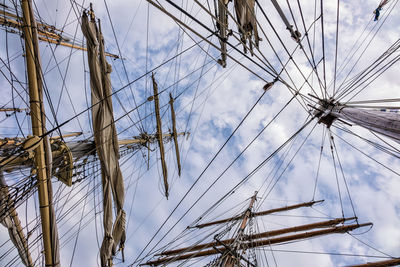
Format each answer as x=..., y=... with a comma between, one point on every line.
x=241, y=138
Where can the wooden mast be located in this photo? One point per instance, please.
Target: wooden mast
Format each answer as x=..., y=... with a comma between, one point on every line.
x=174, y=133
x=159, y=135
x=229, y=259
x=37, y=112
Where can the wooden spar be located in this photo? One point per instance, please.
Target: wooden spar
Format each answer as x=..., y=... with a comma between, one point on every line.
x=299, y=228
x=135, y=140
x=159, y=135
x=45, y=37
x=261, y=213
x=37, y=114
x=392, y=262
x=13, y=109
x=24, y=160
x=139, y=140
x=260, y=243
x=174, y=133
x=227, y=258
x=44, y=33
x=67, y=135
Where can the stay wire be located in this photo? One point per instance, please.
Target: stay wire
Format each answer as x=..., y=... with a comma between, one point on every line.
x=123, y=65
x=314, y=64
x=324, y=133
x=365, y=49
x=198, y=179
x=233, y=188
x=335, y=169
x=344, y=179
x=336, y=46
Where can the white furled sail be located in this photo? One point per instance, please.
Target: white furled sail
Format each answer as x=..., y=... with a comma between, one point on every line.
x=247, y=23
x=13, y=224
x=106, y=141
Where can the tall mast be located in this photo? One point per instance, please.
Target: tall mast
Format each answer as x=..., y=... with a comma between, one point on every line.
x=175, y=133
x=228, y=259
x=159, y=136
x=38, y=128
x=381, y=122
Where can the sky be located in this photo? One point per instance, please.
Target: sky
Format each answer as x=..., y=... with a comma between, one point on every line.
x=214, y=103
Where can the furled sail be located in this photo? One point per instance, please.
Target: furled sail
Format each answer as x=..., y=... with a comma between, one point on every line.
x=222, y=26
x=247, y=23
x=106, y=141
x=13, y=224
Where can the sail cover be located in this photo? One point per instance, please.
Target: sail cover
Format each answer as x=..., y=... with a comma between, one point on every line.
x=106, y=141
x=386, y=123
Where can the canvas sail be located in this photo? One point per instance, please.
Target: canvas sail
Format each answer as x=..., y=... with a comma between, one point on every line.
x=106, y=142
x=12, y=223
x=247, y=23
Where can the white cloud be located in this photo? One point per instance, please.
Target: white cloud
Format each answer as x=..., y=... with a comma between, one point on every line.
x=215, y=114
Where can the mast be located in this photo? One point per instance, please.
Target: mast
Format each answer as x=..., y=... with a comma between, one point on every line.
x=229, y=258
x=49, y=228
x=381, y=122
x=175, y=133
x=159, y=135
